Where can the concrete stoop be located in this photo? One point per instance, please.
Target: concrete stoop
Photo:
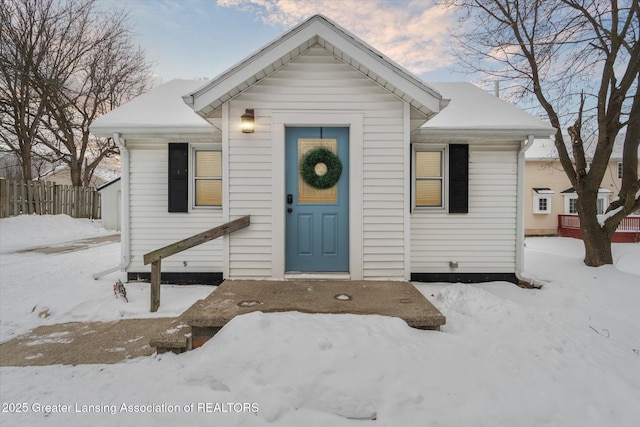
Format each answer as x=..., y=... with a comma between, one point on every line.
x=235, y=297
x=177, y=338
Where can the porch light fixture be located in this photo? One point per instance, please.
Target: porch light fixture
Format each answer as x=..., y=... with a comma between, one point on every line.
x=248, y=121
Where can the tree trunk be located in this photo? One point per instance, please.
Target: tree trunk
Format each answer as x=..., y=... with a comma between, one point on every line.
x=596, y=239
x=25, y=162
x=75, y=171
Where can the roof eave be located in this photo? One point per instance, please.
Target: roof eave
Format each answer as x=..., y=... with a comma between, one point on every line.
x=108, y=131
x=518, y=134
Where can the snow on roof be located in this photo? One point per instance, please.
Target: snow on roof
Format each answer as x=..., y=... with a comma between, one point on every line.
x=543, y=190
x=542, y=149
x=161, y=110
x=474, y=109
x=573, y=190
x=545, y=149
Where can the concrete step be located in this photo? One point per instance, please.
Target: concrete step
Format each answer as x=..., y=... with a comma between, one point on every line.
x=235, y=297
x=177, y=338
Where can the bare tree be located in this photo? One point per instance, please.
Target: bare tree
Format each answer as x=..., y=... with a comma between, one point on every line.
x=25, y=34
x=64, y=63
x=580, y=60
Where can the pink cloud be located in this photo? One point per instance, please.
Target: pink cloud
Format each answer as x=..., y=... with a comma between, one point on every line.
x=412, y=33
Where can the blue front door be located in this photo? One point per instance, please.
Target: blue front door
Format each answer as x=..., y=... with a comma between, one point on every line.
x=317, y=231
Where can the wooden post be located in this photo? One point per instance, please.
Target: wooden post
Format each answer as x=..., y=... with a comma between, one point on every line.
x=154, y=258
x=95, y=205
x=3, y=197
x=36, y=197
x=16, y=197
x=50, y=198
x=56, y=199
x=26, y=198
x=155, y=285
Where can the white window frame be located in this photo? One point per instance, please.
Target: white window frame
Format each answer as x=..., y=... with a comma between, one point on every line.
x=542, y=194
x=603, y=202
x=619, y=170
x=192, y=175
x=536, y=204
x=444, y=158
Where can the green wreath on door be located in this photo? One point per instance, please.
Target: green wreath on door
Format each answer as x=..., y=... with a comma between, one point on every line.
x=320, y=168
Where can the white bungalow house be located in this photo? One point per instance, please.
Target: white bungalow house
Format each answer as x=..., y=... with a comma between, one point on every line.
x=424, y=181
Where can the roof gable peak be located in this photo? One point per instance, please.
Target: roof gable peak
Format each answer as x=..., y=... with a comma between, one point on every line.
x=316, y=30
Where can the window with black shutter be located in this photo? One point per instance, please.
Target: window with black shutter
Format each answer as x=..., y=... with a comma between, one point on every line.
x=429, y=178
x=178, y=177
x=432, y=181
x=458, y=178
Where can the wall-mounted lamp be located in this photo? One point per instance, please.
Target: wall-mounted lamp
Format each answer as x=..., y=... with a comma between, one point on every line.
x=248, y=121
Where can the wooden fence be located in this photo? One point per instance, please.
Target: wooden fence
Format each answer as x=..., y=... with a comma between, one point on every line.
x=47, y=198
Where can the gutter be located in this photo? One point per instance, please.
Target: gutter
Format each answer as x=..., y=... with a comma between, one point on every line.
x=520, y=210
x=125, y=240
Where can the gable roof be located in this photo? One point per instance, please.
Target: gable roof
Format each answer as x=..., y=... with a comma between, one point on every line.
x=344, y=45
x=103, y=186
x=473, y=112
x=160, y=110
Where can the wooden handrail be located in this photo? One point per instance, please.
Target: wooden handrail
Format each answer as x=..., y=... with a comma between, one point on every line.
x=155, y=257
x=196, y=240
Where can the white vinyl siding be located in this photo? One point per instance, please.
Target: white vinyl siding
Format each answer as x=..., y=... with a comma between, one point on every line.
x=482, y=241
x=317, y=81
x=152, y=227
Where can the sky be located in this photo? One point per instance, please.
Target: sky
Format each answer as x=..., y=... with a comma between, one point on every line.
x=192, y=39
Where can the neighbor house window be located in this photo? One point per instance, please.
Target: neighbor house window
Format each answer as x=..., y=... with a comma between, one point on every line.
x=619, y=170
x=207, y=178
x=542, y=200
x=543, y=204
x=571, y=199
x=601, y=202
x=429, y=179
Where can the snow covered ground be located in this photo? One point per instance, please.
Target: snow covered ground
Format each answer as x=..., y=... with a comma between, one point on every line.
x=42, y=289
x=565, y=355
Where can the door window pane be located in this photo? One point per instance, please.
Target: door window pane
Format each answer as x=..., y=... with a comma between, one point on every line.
x=306, y=193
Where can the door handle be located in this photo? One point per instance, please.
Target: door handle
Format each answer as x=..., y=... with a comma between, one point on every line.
x=289, y=199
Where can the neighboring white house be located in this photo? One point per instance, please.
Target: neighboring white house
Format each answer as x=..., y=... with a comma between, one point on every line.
x=110, y=200
x=429, y=189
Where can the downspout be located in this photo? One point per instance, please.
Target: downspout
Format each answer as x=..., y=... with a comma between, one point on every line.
x=125, y=241
x=520, y=210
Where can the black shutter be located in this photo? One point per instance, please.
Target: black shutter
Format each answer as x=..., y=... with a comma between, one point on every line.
x=458, y=178
x=178, y=177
